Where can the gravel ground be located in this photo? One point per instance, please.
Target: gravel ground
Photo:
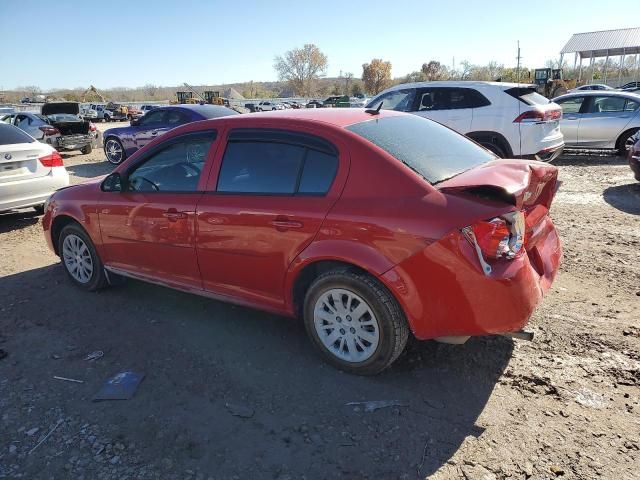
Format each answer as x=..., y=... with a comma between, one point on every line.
x=233, y=393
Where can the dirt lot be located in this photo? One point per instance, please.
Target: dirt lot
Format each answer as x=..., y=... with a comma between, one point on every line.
x=233, y=393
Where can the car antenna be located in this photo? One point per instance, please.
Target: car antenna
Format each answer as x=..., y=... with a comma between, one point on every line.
x=374, y=111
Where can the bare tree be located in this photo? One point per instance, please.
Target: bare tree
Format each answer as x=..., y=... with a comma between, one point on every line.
x=348, y=78
x=434, y=71
x=376, y=75
x=301, y=67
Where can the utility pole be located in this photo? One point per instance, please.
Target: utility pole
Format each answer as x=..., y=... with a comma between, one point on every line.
x=518, y=67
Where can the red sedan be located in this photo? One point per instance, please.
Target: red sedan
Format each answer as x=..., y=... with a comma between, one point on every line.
x=367, y=225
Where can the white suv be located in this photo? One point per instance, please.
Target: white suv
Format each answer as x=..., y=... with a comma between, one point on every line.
x=510, y=119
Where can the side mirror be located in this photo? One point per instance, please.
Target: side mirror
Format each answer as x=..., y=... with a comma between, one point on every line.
x=113, y=183
x=135, y=122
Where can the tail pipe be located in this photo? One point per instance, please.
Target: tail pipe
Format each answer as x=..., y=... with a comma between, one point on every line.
x=520, y=335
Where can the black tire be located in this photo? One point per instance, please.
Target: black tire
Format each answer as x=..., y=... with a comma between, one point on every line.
x=39, y=209
x=621, y=144
x=97, y=279
x=392, y=324
x=114, y=160
x=107, y=118
x=86, y=149
x=494, y=148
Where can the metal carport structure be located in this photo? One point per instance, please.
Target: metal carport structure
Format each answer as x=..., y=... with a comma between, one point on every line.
x=604, y=43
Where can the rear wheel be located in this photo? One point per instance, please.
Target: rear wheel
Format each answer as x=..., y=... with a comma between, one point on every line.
x=86, y=149
x=80, y=259
x=114, y=151
x=39, y=209
x=496, y=149
x=625, y=142
x=354, y=321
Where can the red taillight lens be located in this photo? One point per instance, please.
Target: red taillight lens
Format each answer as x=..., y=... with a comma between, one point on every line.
x=538, y=116
x=530, y=116
x=92, y=127
x=48, y=130
x=53, y=160
x=492, y=238
x=501, y=237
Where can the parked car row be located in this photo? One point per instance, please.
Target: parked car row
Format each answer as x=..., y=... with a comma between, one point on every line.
x=111, y=112
x=59, y=124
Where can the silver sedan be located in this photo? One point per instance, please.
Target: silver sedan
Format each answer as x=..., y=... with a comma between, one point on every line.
x=599, y=119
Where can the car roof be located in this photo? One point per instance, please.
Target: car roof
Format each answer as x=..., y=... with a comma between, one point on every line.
x=458, y=83
x=338, y=117
x=600, y=93
x=207, y=111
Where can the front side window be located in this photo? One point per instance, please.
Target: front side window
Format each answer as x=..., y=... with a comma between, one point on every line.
x=175, y=168
x=153, y=117
x=434, y=99
x=399, y=100
x=277, y=163
x=571, y=105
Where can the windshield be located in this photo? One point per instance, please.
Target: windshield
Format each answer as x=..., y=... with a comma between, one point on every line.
x=428, y=148
x=10, y=135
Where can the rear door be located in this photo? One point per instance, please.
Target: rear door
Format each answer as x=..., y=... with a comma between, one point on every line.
x=572, y=109
x=450, y=106
x=159, y=122
x=605, y=118
x=271, y=190
x=149, y=228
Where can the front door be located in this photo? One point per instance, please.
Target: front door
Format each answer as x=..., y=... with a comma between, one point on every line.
x=149, y=228
x=274, y=189
x=606, y=117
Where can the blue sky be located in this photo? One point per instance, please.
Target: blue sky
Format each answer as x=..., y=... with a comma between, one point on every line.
x=135, y=42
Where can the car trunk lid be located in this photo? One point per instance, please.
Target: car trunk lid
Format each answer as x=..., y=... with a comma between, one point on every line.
x=21, y=162
x=522, y=184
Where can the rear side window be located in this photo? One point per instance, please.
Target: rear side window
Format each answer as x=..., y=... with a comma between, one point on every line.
x=450, y=99
x=277, y=163
x=433, y=151
x=10, y=135
x=527, y=95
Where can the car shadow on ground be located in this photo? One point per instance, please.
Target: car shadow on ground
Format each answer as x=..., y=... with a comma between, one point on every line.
x=589, y=158
x=90, y=170
x=16, y=220
x=240, y=392
x=625, y=198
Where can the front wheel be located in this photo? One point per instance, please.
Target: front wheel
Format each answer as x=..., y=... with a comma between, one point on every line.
x=80, y=259
x=114, y=151
x=625, y=142
x=355, y=322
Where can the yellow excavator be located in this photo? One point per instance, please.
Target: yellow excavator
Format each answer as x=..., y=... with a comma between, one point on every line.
x=551, y=83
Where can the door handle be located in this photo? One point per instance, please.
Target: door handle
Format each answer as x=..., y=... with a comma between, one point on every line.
x=154, y=133
x=283, y=223
x=174, y=215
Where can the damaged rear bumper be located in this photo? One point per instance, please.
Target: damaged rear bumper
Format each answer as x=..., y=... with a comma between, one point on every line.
x=445, y=293
x=73, y=142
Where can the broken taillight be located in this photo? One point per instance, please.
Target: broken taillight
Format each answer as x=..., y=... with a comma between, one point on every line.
x=49, y=130
x=500, y=237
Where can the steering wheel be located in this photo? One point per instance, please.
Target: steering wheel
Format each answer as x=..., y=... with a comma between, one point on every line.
x=189, y=166
x=146, y=180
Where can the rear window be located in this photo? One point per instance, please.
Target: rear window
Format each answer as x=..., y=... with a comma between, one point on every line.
x=10, y=135
x=430, y=149
x=527, y=95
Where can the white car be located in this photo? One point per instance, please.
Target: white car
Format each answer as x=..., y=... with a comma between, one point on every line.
x=592, y=86
x=30, y=171
x=268, y=106
x=510, y=119
x=146, y=108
